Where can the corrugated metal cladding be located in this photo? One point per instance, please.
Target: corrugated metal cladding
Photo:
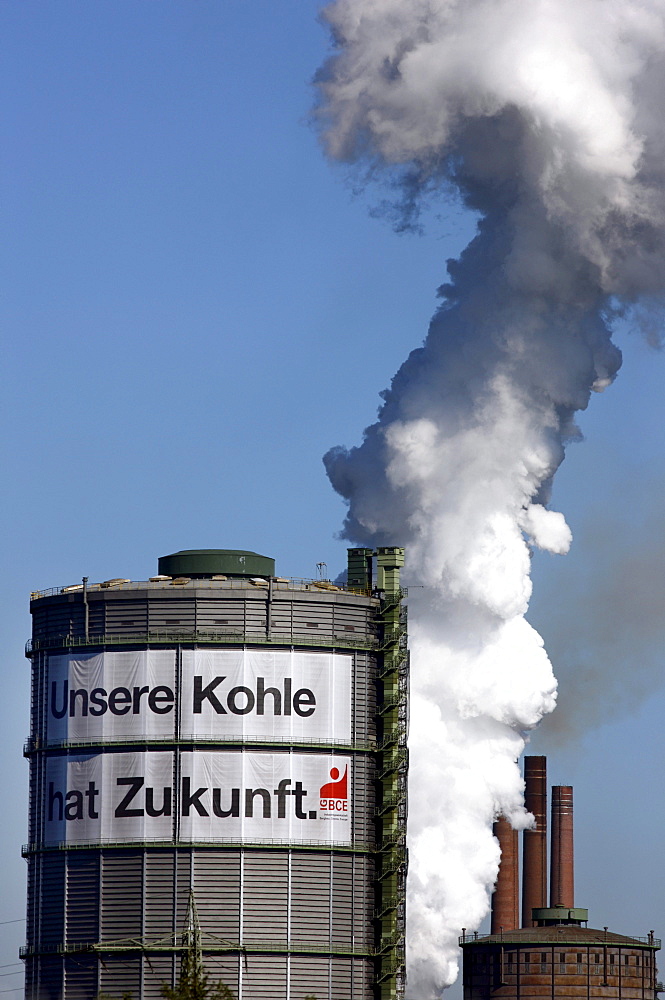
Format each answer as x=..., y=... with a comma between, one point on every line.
x=234, y=741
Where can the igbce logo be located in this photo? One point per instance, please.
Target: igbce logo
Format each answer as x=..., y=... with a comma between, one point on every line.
x=142, y=800
x=333, y=796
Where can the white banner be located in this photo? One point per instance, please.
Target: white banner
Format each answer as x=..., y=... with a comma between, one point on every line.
x=111, y=695
x=109, y=797
x=261, y=796
x=225, y=694
x=218, y=796
x=277, y=694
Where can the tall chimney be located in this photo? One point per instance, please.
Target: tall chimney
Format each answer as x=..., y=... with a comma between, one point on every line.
x=534, y=877
x=562, y=871
x=505, y=899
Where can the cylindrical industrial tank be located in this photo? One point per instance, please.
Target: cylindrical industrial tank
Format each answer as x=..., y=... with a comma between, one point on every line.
x=221, y=736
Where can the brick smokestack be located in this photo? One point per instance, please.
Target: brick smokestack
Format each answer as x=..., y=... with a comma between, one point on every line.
x=562, y=871
x=505, y=899
x=534, y=871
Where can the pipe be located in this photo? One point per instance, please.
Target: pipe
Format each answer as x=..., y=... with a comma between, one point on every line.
x=86, y=610
x=534, y=844
x=505, y=899
x=562, y=870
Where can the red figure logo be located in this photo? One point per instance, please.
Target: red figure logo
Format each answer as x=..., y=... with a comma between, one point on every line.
x=333, y=796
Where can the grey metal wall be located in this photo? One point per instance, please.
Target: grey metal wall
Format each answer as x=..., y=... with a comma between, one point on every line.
x=283, y=900
x=280, y=922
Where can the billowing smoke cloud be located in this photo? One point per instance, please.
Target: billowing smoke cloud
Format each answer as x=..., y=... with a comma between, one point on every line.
x=544, y=116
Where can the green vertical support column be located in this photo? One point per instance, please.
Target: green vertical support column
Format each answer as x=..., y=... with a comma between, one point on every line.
x=393, y=762
x=359, y=572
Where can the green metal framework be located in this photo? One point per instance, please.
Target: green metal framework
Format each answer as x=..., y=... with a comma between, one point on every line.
x=392, y=777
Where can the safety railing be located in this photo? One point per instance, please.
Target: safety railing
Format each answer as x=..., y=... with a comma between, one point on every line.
x=202, y=636
x=354, y=847
x=359, y=746
x=232, y=583
x=519, y=937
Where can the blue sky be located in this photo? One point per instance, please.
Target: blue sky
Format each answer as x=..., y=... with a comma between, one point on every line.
x=195, y=306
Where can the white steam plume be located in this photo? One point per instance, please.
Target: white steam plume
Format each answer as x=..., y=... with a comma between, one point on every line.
x=545, y=116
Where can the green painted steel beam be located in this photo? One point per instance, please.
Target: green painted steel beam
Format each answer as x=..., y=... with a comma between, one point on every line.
x=31, y=748
x=255, y=845
x=148, y=948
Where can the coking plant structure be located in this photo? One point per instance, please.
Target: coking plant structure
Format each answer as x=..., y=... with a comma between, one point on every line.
x=553, y=955
x=224, y=741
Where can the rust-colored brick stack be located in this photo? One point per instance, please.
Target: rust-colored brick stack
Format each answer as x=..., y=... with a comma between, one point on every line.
x=534, y=878
x=562, y=872
x=505, y=900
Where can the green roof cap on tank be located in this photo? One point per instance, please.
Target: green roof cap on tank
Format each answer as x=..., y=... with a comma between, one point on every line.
x=202, y=563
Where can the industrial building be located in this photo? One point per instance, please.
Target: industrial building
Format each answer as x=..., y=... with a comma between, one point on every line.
x=553, y=954
x=222, y=741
